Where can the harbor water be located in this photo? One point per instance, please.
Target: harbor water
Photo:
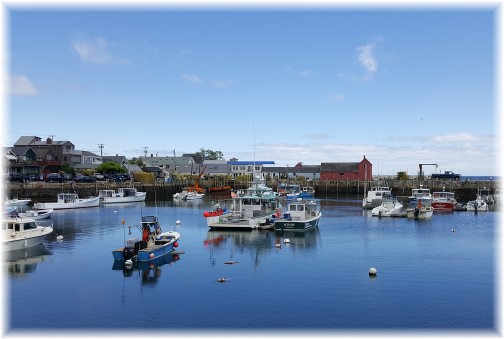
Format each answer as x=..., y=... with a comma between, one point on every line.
x=432, y=275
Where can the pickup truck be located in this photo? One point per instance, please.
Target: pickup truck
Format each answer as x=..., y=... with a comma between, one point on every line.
x=445, y=175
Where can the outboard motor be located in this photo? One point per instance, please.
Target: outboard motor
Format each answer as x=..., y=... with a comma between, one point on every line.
x=417, y=211
x=128, y=253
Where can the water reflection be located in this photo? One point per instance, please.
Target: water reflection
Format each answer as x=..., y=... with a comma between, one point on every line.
x=150, y=272
x=257, y=243
x=21, y=262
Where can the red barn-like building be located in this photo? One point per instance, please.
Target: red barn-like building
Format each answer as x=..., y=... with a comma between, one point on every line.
x=343, y=171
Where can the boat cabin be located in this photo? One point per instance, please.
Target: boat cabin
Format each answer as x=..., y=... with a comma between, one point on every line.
x=127, y=192
x=302, y=210
x=67, y=197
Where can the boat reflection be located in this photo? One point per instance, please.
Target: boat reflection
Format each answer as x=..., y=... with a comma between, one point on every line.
x=227, y=246
x=21, y=262
x=296, y=240
x=149, y=271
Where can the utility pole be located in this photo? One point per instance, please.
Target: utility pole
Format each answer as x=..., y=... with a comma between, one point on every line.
x=100, y=146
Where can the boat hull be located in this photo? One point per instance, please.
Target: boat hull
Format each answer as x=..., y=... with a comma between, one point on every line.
x=420, y=214
x=20, y=244
x=164, y=245
x=115, y=200
x=81, y=203
x=442, y=206
x=296, y=225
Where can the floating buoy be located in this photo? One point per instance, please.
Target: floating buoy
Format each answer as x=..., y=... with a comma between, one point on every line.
x=372, y=271
x=128, y=263
x=278, y=245
x=286, y=241
x=115, y=211
x=453, y=230
x=123, y=221
x=175, y=244
x=177, y=222
x=151, y=255
x=59, y=237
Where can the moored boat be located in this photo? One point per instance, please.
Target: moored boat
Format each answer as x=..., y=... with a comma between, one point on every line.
x=249, y=209
x=37, y=214
x=307, y=192
x=375, y=196
x=68, y=200
x=123, y=194
x=389, y=207
x=154, y=242
x=301, y=215
x=20, y=233
x=443, y=201
x=423, y=210
x=17, y=202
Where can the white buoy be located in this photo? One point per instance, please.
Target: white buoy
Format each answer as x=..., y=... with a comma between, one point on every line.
x=453, y=230
x=286, y=241
x=128, y=263
x=115, y=211
x=278, y=245
x=372, y=271
x=177, y=222
x=59, y=237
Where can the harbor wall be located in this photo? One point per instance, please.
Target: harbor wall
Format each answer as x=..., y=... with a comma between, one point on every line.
x=162, y=191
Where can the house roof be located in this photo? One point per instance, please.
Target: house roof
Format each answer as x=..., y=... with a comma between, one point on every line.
x=168, y=162
x=120, y=159
x=339, y=167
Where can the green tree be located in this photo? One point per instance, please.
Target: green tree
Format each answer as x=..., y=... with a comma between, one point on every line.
x=110, y=168
x=208, y=154
x=67, y=169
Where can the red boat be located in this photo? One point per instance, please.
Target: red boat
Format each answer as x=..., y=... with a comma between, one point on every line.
x=443, y=201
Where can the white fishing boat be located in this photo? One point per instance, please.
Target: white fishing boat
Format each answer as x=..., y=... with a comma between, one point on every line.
x=423, y=210
x=20, y=233
x=17, y=202
x=389, y=207
x=126, y=194
x=68, y=200
x=375, y=196
x=478, y=205
x=193, y=196
x=36, y=214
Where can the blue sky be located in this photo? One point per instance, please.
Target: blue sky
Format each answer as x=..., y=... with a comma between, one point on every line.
x=402, y=86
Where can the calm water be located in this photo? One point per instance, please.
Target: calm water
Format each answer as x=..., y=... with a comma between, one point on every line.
x=429, y=278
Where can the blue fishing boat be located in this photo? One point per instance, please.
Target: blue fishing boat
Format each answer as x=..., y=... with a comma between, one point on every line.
x=154, y=242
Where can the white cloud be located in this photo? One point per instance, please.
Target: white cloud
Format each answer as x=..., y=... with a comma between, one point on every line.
x=454, y=138
x=367, y=59
x=223, y=83
x=191, y=78
x=305, y=73
x=22, y=86
x=94, y=51
x=337, y=97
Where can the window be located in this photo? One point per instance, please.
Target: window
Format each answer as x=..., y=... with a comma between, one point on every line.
x=30, y=225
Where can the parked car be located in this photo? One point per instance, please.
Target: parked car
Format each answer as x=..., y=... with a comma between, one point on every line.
x=68, y=176
x=55, y=177
x=85, y=178
x=99, y=176
x=118, y=177
x=34, y=177
x=15, y=177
